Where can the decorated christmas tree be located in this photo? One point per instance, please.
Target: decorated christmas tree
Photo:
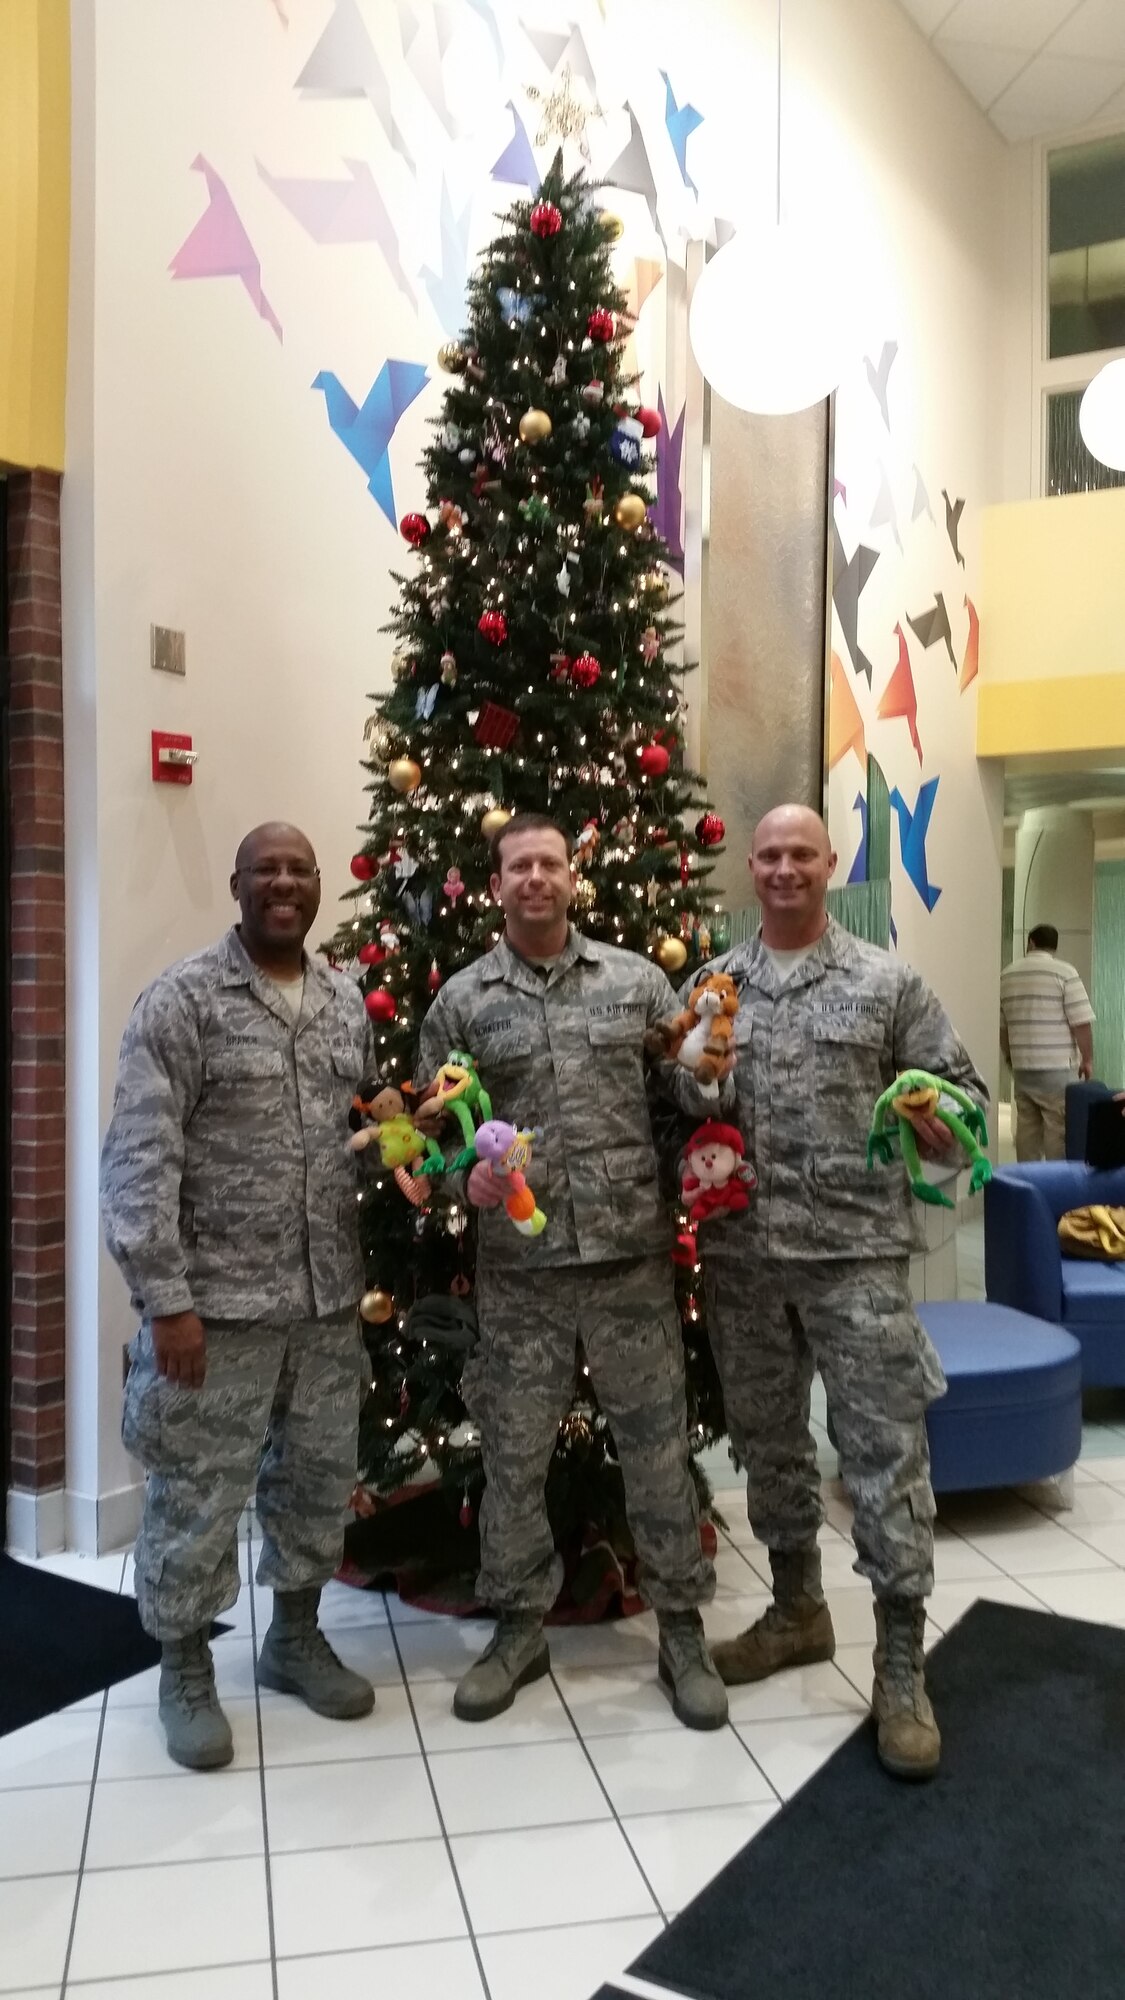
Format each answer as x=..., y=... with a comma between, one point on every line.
x=532, y=670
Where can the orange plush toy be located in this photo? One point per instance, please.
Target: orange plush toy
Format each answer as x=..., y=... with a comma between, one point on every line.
x=700, y=1036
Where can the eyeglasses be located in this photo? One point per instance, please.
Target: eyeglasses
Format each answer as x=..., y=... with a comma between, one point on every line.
x=269, y=871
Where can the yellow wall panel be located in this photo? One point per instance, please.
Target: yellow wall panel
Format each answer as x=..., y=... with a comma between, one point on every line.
x=1053, y=597
x=34, y=229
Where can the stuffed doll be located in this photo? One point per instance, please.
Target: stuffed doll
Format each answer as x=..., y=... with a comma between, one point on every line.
x=700, y=1036
x=506, y=1153
x=379, y=1117
x=717, y=1180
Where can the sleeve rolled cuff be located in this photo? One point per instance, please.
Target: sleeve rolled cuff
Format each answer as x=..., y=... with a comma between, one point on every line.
x=162, y=1301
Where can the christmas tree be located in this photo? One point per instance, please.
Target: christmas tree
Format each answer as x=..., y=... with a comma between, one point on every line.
x=532, y=670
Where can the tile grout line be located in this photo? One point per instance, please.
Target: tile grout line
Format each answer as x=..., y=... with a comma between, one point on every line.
x=448, y=1844
x=270, y=1932
x=603, y=1788
x=89, y=1815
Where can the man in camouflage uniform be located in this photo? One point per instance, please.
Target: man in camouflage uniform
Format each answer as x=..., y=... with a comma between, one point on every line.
x=816, y=1275
x=556, y=1024
x=229, y=1202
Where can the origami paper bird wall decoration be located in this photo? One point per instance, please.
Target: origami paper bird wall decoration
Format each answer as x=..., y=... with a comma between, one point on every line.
x=970, y=665
x=447, y=286
x=345, y=63
x=913, y=828
x=366, y=432
x=218, y=246
x=347, y=211
x=682, y=120
x=879, y=376
x=900, y=696
x=921, y=498
x=884, y=514
x=848, y=579
x=516, y=165
x=930, y=626
x=858, y=870
x=667, y=513
x=953, y=512
x=632, y=172
x=845, y=723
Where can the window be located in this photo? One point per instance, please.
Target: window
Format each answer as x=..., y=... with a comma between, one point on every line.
x=1086, y=239
x=1070, y=468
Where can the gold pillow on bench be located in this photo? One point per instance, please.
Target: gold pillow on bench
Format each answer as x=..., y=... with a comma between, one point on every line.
x=1093, y=1232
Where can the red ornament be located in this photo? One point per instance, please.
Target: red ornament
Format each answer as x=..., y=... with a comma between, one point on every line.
x=546, y=219
x=560, y=666
x=710, y=830
x=362, y=867
x=650, y=421
x=586, y=671
x=685, y=868
x=601, y=325
x=415, y=529
x=371, y=954
x=381, y=1004
x=466, y=1515
x=496, y=726
x=493, y=626
x=654, y=760
x=434, y=980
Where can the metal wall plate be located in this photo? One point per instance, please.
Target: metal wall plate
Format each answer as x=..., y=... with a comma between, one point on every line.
x=168, y=653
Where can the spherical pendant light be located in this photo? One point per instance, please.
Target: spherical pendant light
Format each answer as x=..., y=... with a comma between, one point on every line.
x=1101, y=416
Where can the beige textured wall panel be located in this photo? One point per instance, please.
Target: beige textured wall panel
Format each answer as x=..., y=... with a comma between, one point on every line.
x=764, y=611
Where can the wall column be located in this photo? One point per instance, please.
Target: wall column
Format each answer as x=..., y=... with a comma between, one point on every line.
x=1055, y=882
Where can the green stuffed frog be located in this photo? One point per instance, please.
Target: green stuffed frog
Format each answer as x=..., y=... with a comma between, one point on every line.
x=917, y=1090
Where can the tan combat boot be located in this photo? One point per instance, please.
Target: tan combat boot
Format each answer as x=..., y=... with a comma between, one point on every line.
x=909, y=1739
x=793, y=1631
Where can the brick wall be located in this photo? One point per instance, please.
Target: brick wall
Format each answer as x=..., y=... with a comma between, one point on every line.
x=38, y=1000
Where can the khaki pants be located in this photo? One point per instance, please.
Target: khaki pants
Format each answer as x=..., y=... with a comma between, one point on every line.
x=1040, y=1119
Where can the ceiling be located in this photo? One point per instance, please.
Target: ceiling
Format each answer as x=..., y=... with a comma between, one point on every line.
x=1037, y=67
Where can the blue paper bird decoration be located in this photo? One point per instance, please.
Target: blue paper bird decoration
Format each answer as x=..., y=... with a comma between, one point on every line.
x=366, y=432
x=912, y=830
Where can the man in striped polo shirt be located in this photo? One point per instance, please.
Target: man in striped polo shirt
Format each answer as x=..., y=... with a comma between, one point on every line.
x=1045, y=1034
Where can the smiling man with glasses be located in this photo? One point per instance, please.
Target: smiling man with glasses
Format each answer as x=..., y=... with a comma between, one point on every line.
x=229, y=1203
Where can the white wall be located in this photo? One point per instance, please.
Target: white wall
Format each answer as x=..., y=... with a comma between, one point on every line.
x=206, y=491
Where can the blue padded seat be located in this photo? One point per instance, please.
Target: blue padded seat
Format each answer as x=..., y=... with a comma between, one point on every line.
x=1093, y=1291
x=1013, y=1409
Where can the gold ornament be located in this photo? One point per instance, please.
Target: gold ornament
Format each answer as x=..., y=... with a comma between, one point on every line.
x=629, y=511
x=613, y=225
x=494, y=819
x=404, y=775
x=535, y=427
x=376, y=1308
x=585, y=894
x=379, y=739
x=400, y=665
x=654, y=583
x=670, y=953
x=452, y=357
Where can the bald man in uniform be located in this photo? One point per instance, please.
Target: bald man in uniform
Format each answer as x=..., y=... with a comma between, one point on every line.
x=229, y=1203
x=816, y=1275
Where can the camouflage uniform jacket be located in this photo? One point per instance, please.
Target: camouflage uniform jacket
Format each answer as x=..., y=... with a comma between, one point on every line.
x=812, y=1057
x=566, y=1054
x=227, y=1188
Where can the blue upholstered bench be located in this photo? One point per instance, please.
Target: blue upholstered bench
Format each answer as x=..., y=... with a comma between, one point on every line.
x=1013, y=1410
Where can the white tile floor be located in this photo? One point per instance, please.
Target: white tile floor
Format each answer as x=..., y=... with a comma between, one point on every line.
x=406, y=1854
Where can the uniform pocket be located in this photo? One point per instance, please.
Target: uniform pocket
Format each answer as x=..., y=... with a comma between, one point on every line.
x=911, y=1372
x=347, y=1060
x=634, y=1194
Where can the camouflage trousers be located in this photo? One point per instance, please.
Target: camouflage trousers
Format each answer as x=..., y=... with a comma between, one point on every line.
x=772, y=1325
x=518, y=1384
x=205, y=1451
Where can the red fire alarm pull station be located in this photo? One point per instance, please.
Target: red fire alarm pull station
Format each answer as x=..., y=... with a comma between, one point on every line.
x=172, y=758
